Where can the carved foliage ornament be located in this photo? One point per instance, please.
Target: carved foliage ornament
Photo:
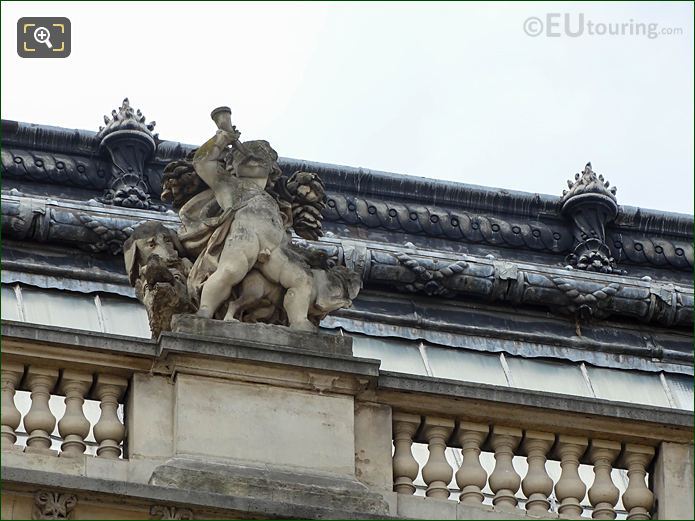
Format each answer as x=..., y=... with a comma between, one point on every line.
x=431, y=281
x=232, y=258
x=586, y=304
x=53, y=505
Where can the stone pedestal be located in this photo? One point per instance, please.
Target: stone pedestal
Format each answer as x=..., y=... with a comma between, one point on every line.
x=263, y=412
x=262, y=334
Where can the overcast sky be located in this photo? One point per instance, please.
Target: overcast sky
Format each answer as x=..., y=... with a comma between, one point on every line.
x=447, y=91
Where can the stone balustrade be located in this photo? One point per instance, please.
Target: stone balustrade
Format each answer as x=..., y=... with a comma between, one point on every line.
x=74, y=427
x=276, y=430
x=505, y=443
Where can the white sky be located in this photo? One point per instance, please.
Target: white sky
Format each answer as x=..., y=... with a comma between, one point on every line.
x=447, y=91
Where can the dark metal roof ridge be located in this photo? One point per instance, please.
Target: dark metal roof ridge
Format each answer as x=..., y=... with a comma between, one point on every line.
x=365, y=181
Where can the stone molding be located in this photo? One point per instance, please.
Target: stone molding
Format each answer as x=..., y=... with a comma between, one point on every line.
x=224, y=506
x=179, y=352
x=170, y=512
x=534, y=409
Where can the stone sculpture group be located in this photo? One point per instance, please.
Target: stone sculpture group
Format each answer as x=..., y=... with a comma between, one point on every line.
x=233, y=258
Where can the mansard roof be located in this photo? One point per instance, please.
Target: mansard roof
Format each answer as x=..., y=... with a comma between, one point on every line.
x=441, y=261
x=400, y=203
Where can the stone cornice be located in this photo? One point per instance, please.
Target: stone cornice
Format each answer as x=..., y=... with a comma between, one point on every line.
x=581, y=294
x=576, y=414
x=34, y=342
x=224, y=505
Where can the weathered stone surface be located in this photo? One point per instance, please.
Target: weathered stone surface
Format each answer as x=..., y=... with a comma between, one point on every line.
x=170, y=512
x=256, y=482
x=373, y=445
x=265, y=334
x=88, y=340
x=130, y=353
x=286, y=403
x=111, y=493
x=672, y=479
x=150, y=422
x=417, y=507
x=224, y=420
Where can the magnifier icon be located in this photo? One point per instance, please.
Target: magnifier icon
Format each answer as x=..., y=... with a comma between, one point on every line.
x=43, y=35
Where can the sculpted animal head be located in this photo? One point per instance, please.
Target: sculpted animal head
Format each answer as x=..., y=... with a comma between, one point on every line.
x=335, y=288
x=148, y=240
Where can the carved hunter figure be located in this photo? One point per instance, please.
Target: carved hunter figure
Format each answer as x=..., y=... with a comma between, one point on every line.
x=237, y=212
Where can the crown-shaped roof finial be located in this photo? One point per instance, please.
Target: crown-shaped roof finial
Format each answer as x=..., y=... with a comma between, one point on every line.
x=126, y=118
x=587, y=182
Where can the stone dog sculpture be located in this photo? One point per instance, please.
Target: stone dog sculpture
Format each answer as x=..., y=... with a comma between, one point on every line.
x=237, y=212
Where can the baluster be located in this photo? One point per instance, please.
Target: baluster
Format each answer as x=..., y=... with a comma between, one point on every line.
x=504, y=480
x=10, y=416
x=603, y=494
x=39, y=421
x=405, y=466
x=570, y=489
x=471, y=477
x=537, y=485
x=109, y=431
x=638, y=500
x=437, y=473
x=74, y=426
